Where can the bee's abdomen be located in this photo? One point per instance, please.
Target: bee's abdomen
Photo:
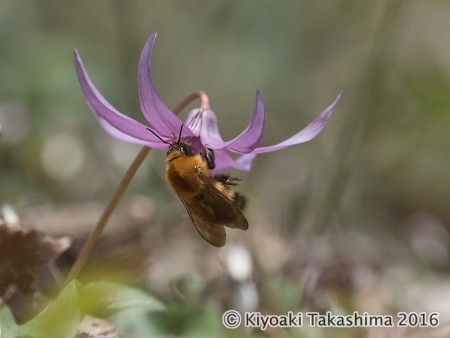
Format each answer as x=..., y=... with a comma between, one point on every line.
x=223, y=182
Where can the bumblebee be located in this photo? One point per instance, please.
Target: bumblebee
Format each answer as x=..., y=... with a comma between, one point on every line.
x=209, y=199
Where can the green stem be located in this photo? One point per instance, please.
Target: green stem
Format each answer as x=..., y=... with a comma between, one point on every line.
x=120, y=190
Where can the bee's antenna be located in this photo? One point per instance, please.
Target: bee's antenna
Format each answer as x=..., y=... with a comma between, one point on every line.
x=150, y=130
x=181, y=129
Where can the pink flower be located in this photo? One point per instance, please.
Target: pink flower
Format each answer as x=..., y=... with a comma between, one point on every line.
x=201, y=126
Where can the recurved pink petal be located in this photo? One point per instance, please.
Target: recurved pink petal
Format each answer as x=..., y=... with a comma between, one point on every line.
x=116, y=133
x=114, y=122
x=306, y=134
x=204, y=123
x=245, y=161
x=224, y=161
x=249, y=139
x=155, y=111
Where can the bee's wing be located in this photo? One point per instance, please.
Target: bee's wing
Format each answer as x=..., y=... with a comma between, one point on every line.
x=211, y=210
x=220, y=208
x=213, y=233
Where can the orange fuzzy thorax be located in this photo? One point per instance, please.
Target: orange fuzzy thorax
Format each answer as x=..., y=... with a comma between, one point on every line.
x=182, y=176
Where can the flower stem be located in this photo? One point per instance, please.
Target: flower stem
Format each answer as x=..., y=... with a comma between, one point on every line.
x=120, y=190
x=199, y=94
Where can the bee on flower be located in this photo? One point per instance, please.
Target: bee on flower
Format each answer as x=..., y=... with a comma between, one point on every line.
x=197, y=155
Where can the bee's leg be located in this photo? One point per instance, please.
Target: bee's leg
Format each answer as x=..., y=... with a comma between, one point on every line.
x=227, y=179
x=240, y=200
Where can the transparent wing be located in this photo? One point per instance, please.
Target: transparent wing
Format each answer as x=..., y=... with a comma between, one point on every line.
x=220, y=208
x=214, y=234
x=211, y=210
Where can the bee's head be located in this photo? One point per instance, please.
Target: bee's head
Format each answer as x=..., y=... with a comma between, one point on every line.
x=179, y=149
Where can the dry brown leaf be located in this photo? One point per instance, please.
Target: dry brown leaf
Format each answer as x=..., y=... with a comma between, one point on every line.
x=24, y=253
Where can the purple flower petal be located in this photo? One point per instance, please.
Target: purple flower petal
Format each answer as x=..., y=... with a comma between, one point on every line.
x=306, y=134
x=225, y=161
x=204, y=123
x=155, y=111
x=247, y=141
x=116, y=133
x=245, y=161
x=114, y=122
x=195, y=121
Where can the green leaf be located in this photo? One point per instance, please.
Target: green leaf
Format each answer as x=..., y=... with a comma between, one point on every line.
x=190, y=320
x=7, y=322
x=105, y=299
x=128, y=309
x=60, y=318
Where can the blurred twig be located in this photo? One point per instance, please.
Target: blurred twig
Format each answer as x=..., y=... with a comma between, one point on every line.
x=93, y=238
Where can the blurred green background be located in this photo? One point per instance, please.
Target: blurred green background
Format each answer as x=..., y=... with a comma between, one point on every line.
x=366, y=202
